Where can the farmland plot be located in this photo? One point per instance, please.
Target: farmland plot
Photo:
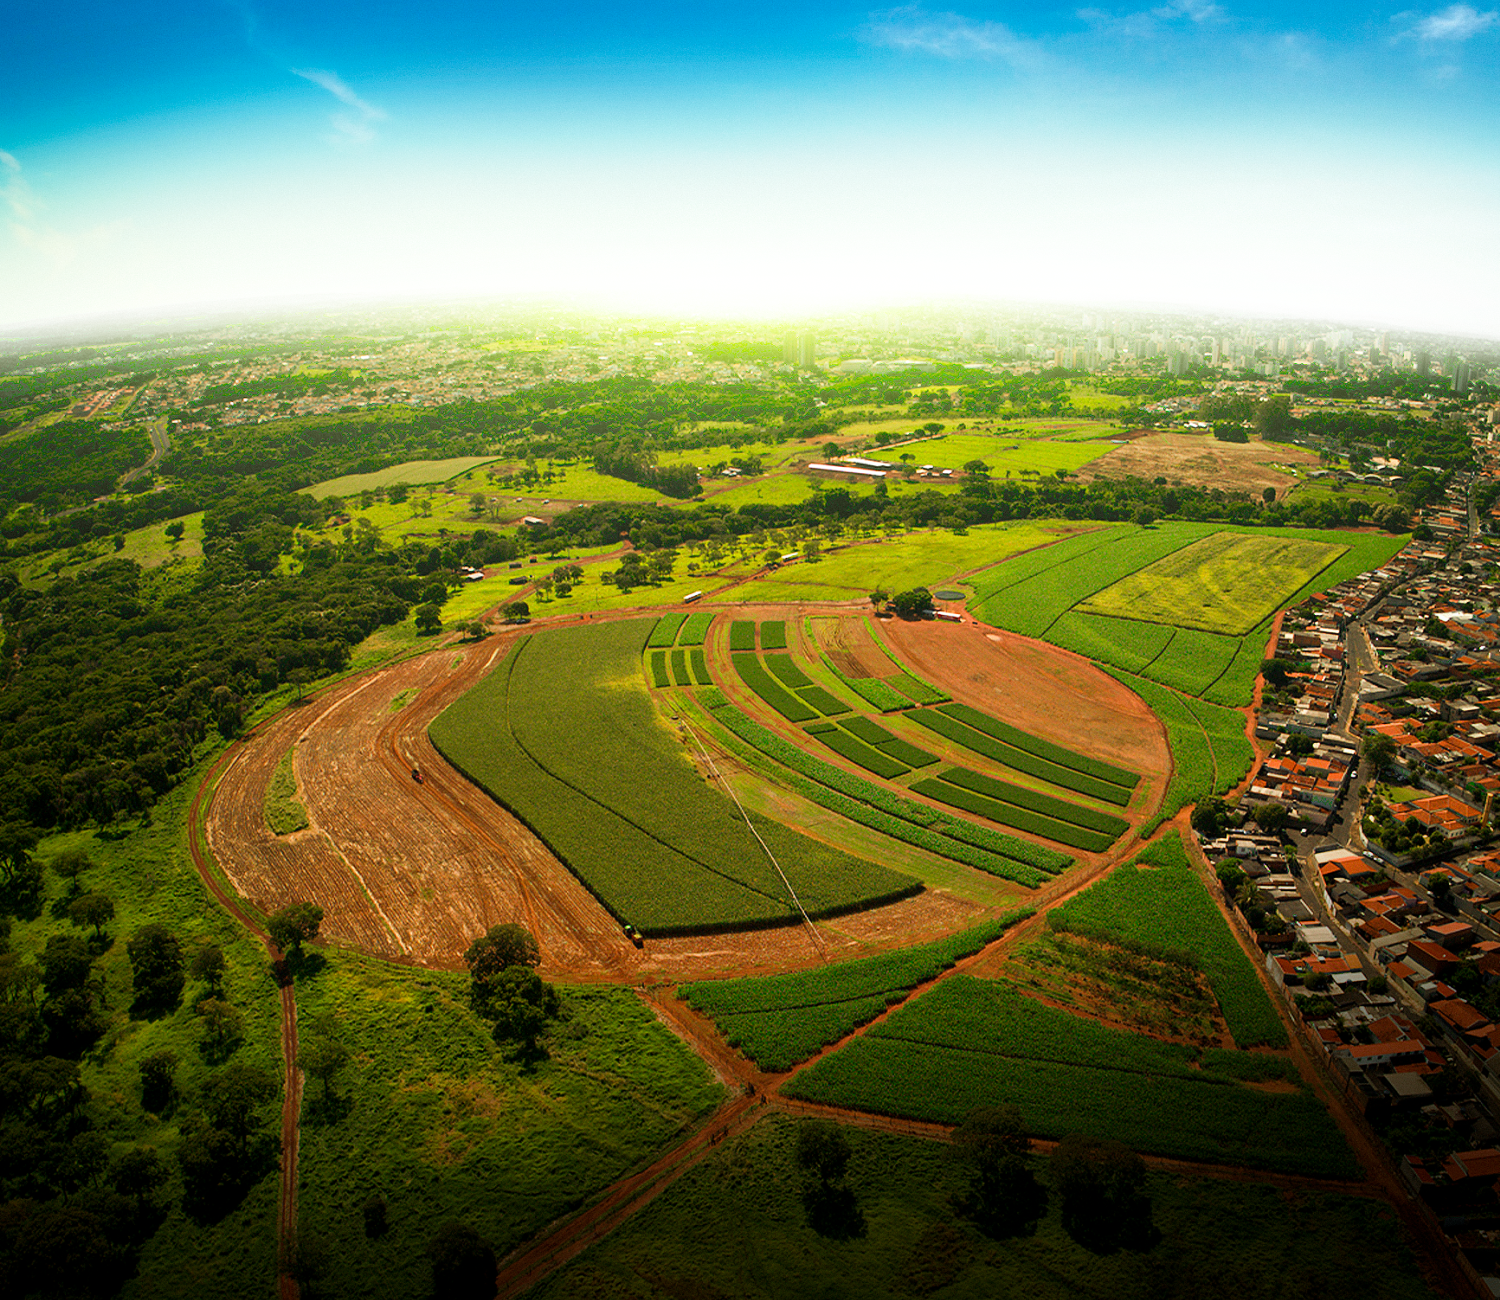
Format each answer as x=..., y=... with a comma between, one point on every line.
x=592, y=770
x=1229, y=582
x=971, y=1042
x=778, y=1020
x=1160, y=902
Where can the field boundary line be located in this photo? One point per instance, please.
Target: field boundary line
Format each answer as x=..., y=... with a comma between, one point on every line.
x=718, y=776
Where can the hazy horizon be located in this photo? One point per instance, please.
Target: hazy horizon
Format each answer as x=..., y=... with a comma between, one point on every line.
x=1186, y=158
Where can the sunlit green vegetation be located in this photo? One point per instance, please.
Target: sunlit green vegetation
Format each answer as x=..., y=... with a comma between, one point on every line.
x=1160, y=905
x=589, y=768
x=284, y=811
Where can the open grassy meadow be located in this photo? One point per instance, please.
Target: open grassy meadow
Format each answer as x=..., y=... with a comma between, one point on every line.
x=414, y=472
x=735, y=1225
x=443, y=1123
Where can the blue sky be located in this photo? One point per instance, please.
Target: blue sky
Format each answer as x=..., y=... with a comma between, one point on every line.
x=1338, y=160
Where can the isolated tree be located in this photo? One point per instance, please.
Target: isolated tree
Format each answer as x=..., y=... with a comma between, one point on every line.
x=323, y=1057
x=501, y=946
x=1275, y=671
x=463, y=1264
x=519, y=1004
x=293, y=926
x=175, y=530
x=822, y=1153
x=138, y=1173
x=1102, y=1185
x=1004, y=1196
x=429, y=617
x=233, y=1097
x=223, y=1027
x=208, y=965
x=93, y=909
x=299, y=679
x=158, y=1080
x=909, y=604
x=156, y=967
x=1379, y=749
x=66, y=963
x=822, y=1150
x=69, y=865
x=515, y=611
x=1272, y=817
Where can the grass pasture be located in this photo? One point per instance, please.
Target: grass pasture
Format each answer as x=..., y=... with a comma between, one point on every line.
x=1228, y=582
x=434, y=1116
x=735, y=1216
x=564, y=734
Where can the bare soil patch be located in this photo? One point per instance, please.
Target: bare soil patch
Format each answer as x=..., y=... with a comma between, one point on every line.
x=1204, y=461
x=847, y=641
x=1037, y=687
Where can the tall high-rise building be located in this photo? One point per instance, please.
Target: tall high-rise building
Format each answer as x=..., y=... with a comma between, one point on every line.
x=1423, y=361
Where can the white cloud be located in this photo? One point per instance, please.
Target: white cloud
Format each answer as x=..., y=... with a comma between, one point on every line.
x=1146, y=23
x=950, y=36
x=355, y=127
x=1455, y=23
x=1199, y=13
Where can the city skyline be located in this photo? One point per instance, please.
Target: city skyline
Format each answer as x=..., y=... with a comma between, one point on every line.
x=1228, y=159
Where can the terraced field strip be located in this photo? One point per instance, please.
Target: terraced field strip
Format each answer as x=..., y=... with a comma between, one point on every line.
x=857, y=752
x=742, y=635
x=825, y=702
x=659, y=675
x=754, y=675
x=1060, y=809
x=785, y=667
x=1044, y=749
x=773, y=635
x=665, y=631
x=680, y=674
x=950, y=728
x=881, y=810
x=1006, y=814
x=695, y=629
x=701, y=675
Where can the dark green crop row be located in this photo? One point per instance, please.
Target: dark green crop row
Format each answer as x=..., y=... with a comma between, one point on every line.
x=700, y=667
x=773, y=635
x=741, y=635
x=665, y=631
x=1044, y=749
x=773, y=693
x=916, y=689
x=856, y=751
x=659, y=668
x=1009, y=815
x=1045, y=804
x=951, y=728
x=680, y=674
x=904, y=752
x=867, y=729
x=785, y=667
x=902, y=819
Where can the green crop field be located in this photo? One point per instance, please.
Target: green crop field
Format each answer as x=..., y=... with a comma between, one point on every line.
x=284, y=811
x=1005, y=814
x=1200, y=582
x=752, y=672
x=732, y=1225
x=773, y=635
x=665, y=631
x=779, y=1020
x=1160, y=902
x=435, y=1116
x=564, y=734
x=695, y=630
x=872, y=690
x=882, y=810
x=969, y=1042
x=742, y=635
x=1008, y=454
x=1225, y=583
x=899, y=563
x=415, y=472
